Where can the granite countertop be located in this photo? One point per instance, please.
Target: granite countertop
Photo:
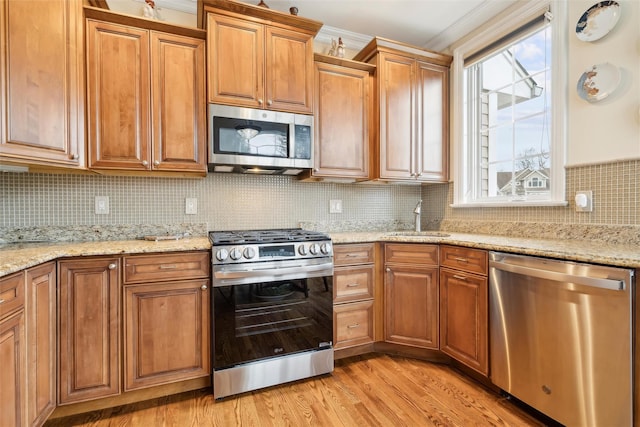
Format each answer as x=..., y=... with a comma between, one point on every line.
x=15, y=257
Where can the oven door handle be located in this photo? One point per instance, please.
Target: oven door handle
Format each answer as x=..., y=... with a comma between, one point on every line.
x=303, y=270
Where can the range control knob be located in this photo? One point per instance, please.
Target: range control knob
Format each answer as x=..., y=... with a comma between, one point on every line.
x=314, y=248
x=302, y=250
x=235, y=254
x=249, y=252
x=325, y=248
x=222, y=254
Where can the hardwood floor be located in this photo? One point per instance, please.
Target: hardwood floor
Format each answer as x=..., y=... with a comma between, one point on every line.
x=372, y=390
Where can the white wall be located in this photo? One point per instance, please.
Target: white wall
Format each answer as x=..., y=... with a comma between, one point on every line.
x=610, y=129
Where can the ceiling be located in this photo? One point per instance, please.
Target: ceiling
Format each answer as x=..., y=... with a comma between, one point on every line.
x=433, y=24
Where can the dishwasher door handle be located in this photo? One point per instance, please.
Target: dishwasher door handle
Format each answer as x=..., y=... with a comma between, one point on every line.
x=609, y=284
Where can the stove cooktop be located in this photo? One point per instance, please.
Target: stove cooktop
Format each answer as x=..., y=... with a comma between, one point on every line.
x=265, y=236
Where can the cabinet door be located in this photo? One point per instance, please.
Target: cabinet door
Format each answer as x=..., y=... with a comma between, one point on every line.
x=178, y=91
x=89, y=339
x=432, y=141
x=41, y=342
x=397, y=116
x=464, y=318
x=235, y=60
x=341, y=122
x=12, y=371
x=166, y=333
x=118, y=96
x=289, y=70
x=41, y=82
x=411, y=305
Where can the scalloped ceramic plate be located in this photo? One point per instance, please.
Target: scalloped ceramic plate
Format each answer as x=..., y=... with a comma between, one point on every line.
x=598, y=82
x=598, y=20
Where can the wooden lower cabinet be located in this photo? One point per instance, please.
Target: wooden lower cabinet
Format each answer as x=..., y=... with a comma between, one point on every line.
x=353, y=324
x=411, y=295
x=89, y=329
x=12, y=370
x=41, y=328
x=166, y=329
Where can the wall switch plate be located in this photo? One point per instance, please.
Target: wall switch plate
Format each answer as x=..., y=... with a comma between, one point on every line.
x=335, y=206
x=584, y=201
x=191, y=206
x=102, y=205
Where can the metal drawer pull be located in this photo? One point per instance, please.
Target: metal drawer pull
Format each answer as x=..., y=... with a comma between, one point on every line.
x=353, y=285
x=455, y=276
x=357, y=325
x=1, y=301
x=203, y=287
x=167, y=266
x=388, y=270
x=112, y=266
x=461, y=259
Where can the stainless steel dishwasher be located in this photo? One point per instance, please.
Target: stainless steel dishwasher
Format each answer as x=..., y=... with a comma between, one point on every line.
x=561, y=337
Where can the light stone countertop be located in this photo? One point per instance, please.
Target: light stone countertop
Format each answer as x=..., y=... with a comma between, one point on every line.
x=16, y=257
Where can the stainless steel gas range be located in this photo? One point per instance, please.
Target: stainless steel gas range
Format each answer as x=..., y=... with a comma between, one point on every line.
x=272, y=308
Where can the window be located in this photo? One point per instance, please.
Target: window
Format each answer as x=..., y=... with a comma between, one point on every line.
x=508, y=131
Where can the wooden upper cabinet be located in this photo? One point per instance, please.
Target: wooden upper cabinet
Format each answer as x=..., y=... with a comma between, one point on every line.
x=145, y=97
x=259, y=58
x=42, y=83
x=412, y=89
x=342, y=118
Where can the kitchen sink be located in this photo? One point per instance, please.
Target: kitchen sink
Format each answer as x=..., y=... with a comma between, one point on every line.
x=409, y=233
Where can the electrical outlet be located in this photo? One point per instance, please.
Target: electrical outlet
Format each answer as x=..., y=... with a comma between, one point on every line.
x=102, y=205
x=335, y=206
x=191, y=206
x=584, y=201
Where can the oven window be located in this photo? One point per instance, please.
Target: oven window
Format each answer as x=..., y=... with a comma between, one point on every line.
x=263, y=320
x=250, y=137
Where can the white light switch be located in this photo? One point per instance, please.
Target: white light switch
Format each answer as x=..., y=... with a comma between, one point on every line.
x=335, y=206
x=191, y=206
x=102, y=205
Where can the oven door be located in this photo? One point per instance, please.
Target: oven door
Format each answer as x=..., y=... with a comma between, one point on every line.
x=266, y=319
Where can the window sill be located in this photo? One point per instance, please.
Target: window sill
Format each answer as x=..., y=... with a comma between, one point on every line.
x=507, y=204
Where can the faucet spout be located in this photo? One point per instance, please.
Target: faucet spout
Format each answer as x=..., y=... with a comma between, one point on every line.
x=417, y=212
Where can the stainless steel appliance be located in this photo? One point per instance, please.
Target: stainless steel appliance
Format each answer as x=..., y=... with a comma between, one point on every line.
x=247, y=140
x=272, y=308
x=561, y=337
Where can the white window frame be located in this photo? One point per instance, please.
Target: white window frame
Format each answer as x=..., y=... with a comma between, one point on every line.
x=514, y=18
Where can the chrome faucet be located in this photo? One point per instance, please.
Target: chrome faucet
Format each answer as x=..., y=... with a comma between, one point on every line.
x=417, y=211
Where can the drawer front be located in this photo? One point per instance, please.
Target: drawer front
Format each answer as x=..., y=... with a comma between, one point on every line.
x=414, y=254
x=163, y=267
x=352, y=283
x=465, y=259
x=353, y=254
x=353, y=324
x=11, y=294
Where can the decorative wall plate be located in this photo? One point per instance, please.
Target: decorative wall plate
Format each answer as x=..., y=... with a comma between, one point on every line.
x=598, y=20
x=598, y=82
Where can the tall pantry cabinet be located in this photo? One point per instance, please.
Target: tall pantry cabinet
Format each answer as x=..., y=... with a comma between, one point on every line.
x=42, y=83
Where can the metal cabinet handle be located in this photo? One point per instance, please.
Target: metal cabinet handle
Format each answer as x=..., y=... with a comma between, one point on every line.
x=167, y=267
x=112, y=266
x=156, y=162
x=260, y=101
x=461, y=259
x=73, y=156
x=269, y=102
x=456, y=276
x=145, y=163
x=388, y=270
x=353, y=285
x=1, y=301
x=357, y=325
x=203, y=287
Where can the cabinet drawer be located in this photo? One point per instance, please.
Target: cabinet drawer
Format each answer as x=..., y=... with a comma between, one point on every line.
x=414, y=254
x=161, y=267
x=353, y=324
x=466, y=259
x=353, y=254
x=11, y=294
x=352, y=283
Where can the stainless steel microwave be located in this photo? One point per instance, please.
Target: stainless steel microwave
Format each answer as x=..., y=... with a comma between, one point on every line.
x=248, y=140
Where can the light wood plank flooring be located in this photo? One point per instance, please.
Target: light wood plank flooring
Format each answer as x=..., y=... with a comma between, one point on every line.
x=372, y=390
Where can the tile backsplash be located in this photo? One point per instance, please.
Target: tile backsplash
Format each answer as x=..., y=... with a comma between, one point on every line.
x=224, y=201
x=616, y=195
